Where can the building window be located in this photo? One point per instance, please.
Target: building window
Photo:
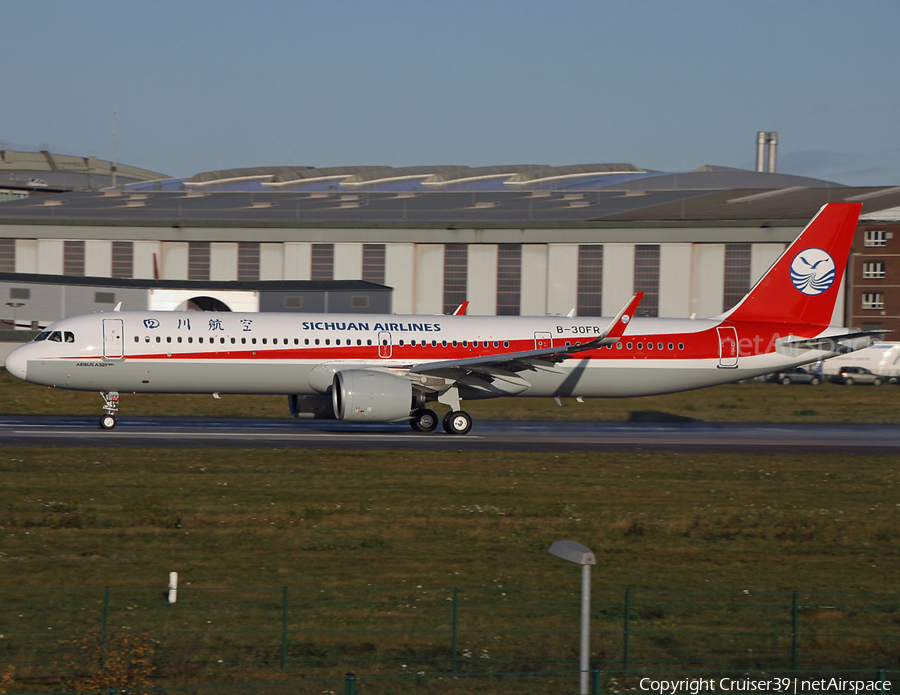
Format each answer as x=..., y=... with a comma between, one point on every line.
x=122, y=259
x=293, y=302
x=322, y=262
x=198, y=260
x=359, y=301
x=73, y=258
x=104, y=297
x=873, y=270
x=248, y=261
x=876, y=237
x=509, y=279
x=737, y=274
x=19, y=293
x=456, y=274
x=646, y=278
x=7, y=255
x=873, y=300
x=590, y=280
x=373, y=263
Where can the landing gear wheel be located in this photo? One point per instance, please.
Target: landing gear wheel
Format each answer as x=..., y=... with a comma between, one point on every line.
x=424, y=420
x=786, y=380
x=457, y=422
x=107, y=422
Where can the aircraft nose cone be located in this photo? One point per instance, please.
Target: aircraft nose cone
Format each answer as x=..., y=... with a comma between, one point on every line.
x=16, y=363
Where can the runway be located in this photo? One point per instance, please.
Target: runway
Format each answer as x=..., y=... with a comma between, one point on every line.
x=136, y=431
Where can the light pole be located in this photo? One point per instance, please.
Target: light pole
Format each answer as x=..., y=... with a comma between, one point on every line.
x=584, y=556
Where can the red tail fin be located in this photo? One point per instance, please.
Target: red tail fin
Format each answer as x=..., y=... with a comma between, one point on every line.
x=803, y=284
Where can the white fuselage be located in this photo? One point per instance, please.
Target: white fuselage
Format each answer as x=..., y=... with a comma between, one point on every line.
x=199, y=352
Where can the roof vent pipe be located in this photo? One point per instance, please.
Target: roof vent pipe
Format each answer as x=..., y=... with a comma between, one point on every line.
x=761, y=151
x=773, y=146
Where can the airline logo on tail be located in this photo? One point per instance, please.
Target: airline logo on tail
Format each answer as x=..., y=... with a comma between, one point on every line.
x=812, y=271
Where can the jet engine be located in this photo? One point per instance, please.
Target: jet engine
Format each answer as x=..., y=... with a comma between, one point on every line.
x=369, y=395
x=316, y=407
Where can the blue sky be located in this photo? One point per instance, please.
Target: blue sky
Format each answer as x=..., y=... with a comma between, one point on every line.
x=201, y=85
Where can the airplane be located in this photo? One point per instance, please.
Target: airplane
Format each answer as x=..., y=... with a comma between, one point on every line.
x=394, y=368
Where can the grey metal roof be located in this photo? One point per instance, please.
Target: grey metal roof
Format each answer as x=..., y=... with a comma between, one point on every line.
x=44, y=169
x=707, y=194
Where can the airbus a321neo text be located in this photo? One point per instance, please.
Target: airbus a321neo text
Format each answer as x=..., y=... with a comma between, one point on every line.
x=390, y=368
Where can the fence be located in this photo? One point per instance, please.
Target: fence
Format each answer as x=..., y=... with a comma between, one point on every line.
x=395, y=640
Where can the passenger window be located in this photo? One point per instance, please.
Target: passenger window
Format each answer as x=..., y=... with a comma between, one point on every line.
x=358, y=341
x=630, y=346
x=505, y=343
x=306, y=341
x=265, y=341
x=368, y=342
x=465, y=343
x=191, y=339
x=640, y=346
x=659, y=346
x=649, y=346
x=401, y=343
x=233, y=341
x=296, y=341
x=671, y=346
x=327, y=341
x=443, y=343
x=179, y=339
x=146, y=339
x=136, y=339
x=253, y=340
x=243, y=341
x=496, y=344
x=317, y=341
x=619, y=346
x=681, y=346
x=159, y=339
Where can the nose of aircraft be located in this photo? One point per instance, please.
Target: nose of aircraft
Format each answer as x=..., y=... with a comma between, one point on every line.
x=16, y=362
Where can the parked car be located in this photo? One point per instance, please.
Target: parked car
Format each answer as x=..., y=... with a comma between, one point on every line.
x=857, y=375
x=796, y=375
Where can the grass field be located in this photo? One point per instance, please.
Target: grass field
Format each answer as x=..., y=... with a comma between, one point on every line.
x=664, y=525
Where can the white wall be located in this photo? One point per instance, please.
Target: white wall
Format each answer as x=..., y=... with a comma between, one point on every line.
x=674, y=280
x=50, y=256
x=223, y=259
x=429, y=279
x=708, y=279
x=618, y=277
x=481, y=279
x=534, y=280
x=348, y=260
x=400, y=273
x=98, y=258
x=562, y=278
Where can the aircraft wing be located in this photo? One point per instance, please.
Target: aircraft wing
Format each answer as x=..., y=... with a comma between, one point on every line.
x=530, y=360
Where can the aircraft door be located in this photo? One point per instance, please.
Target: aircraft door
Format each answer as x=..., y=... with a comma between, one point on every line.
x=113, y=343
x=542, y=340
x=384, y=345
x=728, y=347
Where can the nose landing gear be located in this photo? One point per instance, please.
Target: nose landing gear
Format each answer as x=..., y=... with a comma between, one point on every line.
x=111, y=406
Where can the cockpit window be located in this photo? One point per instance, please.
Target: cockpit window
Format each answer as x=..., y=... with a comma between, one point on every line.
x=55, y=337
x=43, y=335
x=69, y=337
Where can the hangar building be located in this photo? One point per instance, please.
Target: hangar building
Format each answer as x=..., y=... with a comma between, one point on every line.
x=511, y=240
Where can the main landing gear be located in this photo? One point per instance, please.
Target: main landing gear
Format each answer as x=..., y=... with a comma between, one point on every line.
x=111, y=406
x=454, y=422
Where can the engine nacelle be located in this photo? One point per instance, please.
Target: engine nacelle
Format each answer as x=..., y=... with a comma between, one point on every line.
x=316, y=407
x=372, y=396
